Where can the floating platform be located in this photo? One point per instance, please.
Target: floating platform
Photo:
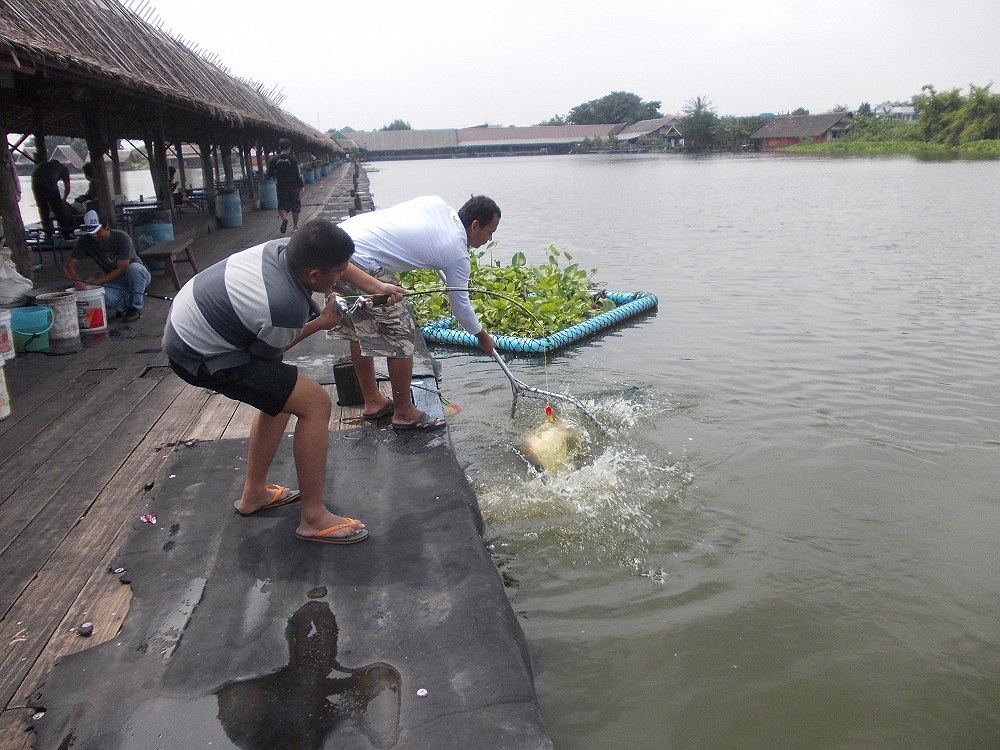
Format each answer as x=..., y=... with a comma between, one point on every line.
x=629, y=305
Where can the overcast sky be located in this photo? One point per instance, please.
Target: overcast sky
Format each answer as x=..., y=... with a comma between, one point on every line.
x=447, y=64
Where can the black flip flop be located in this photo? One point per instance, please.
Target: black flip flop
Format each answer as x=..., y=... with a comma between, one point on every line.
x=385, y=411
x=425, y=423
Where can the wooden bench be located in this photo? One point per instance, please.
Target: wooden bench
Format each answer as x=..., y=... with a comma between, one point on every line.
x=168, y=252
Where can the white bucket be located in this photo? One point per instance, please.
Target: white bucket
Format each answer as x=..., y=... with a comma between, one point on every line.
x=6, y=337
x=91, y=311
x=66, y=323
x=4, y=395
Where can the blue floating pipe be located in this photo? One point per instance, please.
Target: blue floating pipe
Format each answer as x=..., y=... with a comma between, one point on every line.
x=629, y=304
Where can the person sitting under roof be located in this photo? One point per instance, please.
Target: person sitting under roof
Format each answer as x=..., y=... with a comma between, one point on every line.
x=180, y=194
x=86, y=201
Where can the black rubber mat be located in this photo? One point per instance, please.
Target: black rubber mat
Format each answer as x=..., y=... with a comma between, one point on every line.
x=240, y=635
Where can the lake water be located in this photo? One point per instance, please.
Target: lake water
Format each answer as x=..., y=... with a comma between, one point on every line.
x=136, y=183
x=790, y=538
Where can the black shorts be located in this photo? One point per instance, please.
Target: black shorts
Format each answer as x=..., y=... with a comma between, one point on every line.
x=264, y=384
x=289, y=200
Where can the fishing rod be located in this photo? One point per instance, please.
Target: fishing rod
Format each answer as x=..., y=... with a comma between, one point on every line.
x=375, y=300
x=518, y=387
x=64, y=277
x=359, y=301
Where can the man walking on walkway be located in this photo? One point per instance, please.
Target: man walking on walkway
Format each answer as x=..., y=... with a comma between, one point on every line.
x=227, y=331
x=284, y=170
x=420, y=233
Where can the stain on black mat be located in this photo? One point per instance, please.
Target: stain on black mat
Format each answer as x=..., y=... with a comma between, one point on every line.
x=301, y=703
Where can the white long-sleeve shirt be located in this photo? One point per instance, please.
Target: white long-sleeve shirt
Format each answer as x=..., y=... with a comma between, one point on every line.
x=423, y=232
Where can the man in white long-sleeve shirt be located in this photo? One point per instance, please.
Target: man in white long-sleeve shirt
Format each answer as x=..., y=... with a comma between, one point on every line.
x=421, y=233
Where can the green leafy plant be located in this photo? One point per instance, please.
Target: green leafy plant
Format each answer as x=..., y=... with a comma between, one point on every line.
x=515, y=299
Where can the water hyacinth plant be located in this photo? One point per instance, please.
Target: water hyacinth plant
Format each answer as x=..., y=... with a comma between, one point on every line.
x=517, y=299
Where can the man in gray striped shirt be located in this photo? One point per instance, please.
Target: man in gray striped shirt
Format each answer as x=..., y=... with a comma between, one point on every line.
x=227, y=330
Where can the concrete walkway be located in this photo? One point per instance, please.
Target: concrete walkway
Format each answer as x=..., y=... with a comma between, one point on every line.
x=237, y=634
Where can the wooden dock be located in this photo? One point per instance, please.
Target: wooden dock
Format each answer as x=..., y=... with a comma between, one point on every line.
x=224, y=615
x=88, y=437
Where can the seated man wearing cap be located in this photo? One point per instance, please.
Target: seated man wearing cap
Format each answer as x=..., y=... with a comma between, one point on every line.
x=123, y=276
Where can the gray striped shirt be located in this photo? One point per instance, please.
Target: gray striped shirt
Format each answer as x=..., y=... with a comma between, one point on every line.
x=248, y=304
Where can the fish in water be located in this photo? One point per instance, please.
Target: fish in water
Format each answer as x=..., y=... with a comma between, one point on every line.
x=552, y=445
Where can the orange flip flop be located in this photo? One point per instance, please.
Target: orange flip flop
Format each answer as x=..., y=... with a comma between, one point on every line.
x=276, y=501
x=323, y=537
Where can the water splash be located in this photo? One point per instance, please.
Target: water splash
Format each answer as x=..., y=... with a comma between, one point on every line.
x=618, y=411
x=601, y=511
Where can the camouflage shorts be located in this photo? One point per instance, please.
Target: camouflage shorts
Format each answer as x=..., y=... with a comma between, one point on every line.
x=382, y=331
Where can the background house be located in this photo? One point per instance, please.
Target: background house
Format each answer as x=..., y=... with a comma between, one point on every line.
x=787, y=130
x=904, y=112
x=62, y=153
x=661, y=131
x=556, y=139
x=387, y=144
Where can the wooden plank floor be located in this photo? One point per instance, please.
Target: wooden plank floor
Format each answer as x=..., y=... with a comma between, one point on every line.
x=89, y=436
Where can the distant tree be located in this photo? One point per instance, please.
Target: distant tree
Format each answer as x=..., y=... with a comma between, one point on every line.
x=397, y=124
x=554, y=120
x=953, y=119
x=734, y=133
x=865, y=126
x=617, y=107
x=700, y=123
x=800, y=111
x=936, y=111
x=840, y=108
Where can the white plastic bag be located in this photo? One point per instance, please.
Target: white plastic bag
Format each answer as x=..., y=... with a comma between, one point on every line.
x=14, y=287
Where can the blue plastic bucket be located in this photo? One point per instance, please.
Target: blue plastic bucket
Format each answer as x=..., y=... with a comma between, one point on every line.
x=158, y=228
x=31, y=326
x=229, y=210
x=269, y=194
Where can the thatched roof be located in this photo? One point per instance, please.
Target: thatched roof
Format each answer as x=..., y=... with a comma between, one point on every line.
x=65, y=56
